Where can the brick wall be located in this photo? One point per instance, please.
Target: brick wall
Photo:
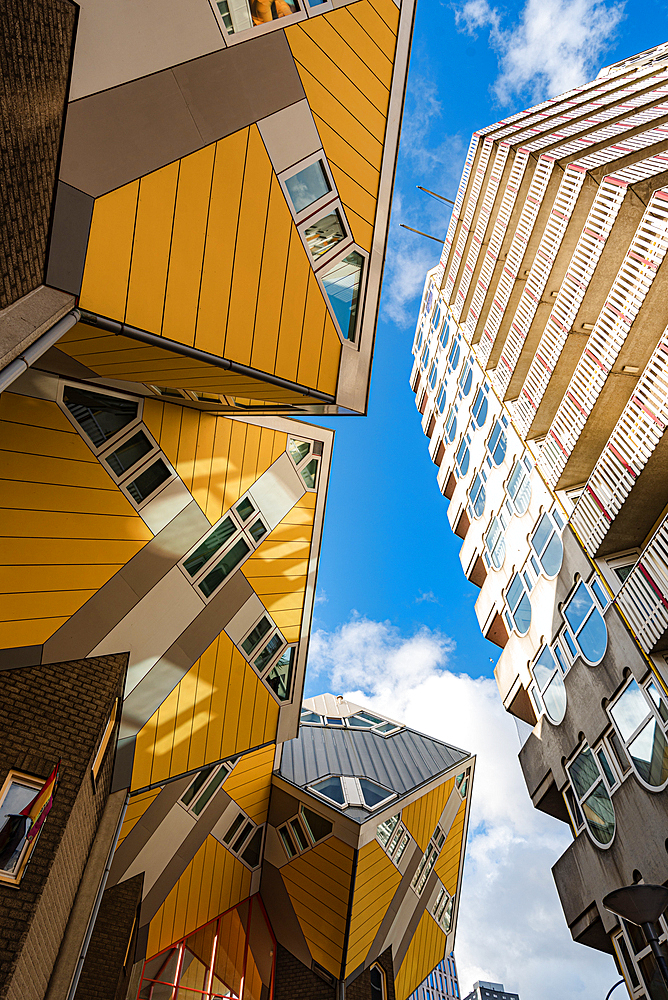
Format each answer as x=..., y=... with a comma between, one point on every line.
x=294, y=981
x=52, y=712
x=360, y=988
x=104, y=975
x=36, y=40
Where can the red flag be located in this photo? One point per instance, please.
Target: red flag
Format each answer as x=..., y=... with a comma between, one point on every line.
x=39, y=808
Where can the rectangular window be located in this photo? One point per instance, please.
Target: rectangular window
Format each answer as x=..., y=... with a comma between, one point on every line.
x=308, y=186
x=240, y=15
x=148, y=481
x=224, y=567
x=324, y=234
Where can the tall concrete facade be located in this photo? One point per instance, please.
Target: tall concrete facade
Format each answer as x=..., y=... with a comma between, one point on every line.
x=540, y=367
x=197, y=198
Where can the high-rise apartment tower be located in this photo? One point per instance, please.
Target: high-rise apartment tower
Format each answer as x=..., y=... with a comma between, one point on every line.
x=441, y=983
x=541, y=373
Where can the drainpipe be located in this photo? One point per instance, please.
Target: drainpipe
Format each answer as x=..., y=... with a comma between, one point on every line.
x=31, y=354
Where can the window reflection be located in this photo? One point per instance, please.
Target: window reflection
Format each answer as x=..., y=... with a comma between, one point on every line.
x=308, y=186
x=239, y=15
x=342, y=284
x=324, y=234
x=591, y=802
x=641, y=723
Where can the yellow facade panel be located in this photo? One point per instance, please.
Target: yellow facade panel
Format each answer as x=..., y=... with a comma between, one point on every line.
x=185, y=461
x=292, y=311
x=330, y=357
x=211, y=714
x=21, y=579
x=248, y=254
x=312, y=334
x=389, y=12
x=213, y=882
x=374, y=25
x=150, y=251
x=39, y=604
x=348, y=158
x=187, y=249
x=21, y=495
x=422, y=816
x=358, y=202
x=424, y=953
x=354, y=35
x=105, y=281
x=376, y=881
x=137, y=806
x=339, y=76
x=355, y=63
x=272, y=281
x=29, y=631
x=221, y=238
x=447, y=866
x=250, y=782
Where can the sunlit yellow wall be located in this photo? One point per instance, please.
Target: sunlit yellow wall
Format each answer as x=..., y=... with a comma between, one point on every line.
x=376, y=881
x=137, y=806
x=217, y=458
x=345, y=61
x=447, y=866
x=205, y=252
x=278, y=569
x=424, y=953
x=250, y=783
x=213, y=882
x=422, y=816
x=318, y=884
x=218, y=709
x=66, y=527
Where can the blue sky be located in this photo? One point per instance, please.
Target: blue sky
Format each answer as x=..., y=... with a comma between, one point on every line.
x=394, y=621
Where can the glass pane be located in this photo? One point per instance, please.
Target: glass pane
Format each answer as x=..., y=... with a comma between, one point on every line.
x=447, y=916
x=623, y=571
x=309, y=184
x=522, y=615
x=593, y=637
x=541, y=534
x=342, y=284
x=653, y=978
x=99, y=416
x=376, y=982
x=129, y=453
x=384, y=830
x=500, y=450
x=578, y=607
x=455, y=351
x=605, y=767
x=298, y=450
x=554, y=698
x=626, y=960
x=599, y=814
x=334, y=720
x=574, y=807
x=544, y=667
x=227, y=839
x=514, y=592
x=451, y=427
x=324, y=234
x=222, y=569
x=245, y=509
x=192, y=791
x=148, y=482
x=600, y=593
x=257, y=530
x=523, y=497
x=480, y=408
x=245, y=830
x=571, y=645
x=208, y=792
x=310, y=717
x=14, y=826
x=279, y=677
x=332, y=789
x=254, y=637
x=310, y=473
x=251, y=854
x=648, y=754
x=618, y=750
x=629, y=711
x=372, y=793
x=463, y=458
x=290, y=848
x=200, y=557
x=317, y=825
x=299, y=834
x=229, y=967
x=657, y=698
x=583, y=771
x=466, y=387
x=553, y=555
x=402, y=847
x=268, y=652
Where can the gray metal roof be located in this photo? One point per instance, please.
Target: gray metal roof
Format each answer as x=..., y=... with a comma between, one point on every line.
x=401, y=762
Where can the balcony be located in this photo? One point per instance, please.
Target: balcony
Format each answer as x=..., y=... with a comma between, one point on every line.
x=644, y=597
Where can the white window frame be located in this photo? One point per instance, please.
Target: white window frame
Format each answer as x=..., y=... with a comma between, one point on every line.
x=537, y=562
x=503, y=432
x=292, y=838
x=481, y=477
x=488, y=553
x=652, y=711
x=525, y=465
x=579, y=825
x=352, y=793
x=32, y=782
x=567, y=630
x=306, y=460
x=220, y=771
x=326, y=199
x=428, y=861
x=483, y=393
x=537, y=690
x=442, y=909
x=98, y=391
x=239, y=851
x=509, y=612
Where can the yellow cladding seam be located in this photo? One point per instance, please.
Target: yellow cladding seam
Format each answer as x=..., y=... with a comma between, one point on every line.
x=68, y=528
x=318, y=884
x=217, y=458
x=212, y=242
x=250, y=783
x=422, y=816
x=447, y=866
x=376, y=881
x=137, y=806
x=213, y=882
x=278, y=570
x=424, y=953
x=349, y=96
x=218, y=709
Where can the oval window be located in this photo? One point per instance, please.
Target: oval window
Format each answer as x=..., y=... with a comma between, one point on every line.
x=480, y=407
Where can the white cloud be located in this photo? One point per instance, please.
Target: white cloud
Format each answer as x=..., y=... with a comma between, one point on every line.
x=555, y=46
x=428, y=595
x=511, y=928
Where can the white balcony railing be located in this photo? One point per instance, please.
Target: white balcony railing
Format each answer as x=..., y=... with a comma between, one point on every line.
x=586, y=256
x=550, y=244
x=495, y=241
x=461, y=191
x=644, y=597
x=480, y=229
x=506, y=283
x=465, y=228
x=627, y=294
x=636, y=435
